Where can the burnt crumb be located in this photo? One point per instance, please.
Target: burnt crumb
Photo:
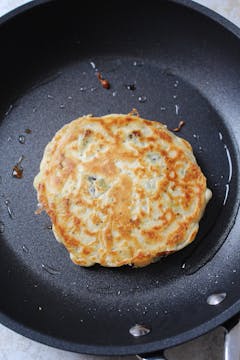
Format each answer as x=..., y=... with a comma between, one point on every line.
x=105, y=83
x=28, y=131
x=17, y=171
x=180, y=125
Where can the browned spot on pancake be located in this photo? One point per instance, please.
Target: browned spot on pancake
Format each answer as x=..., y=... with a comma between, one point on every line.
x=163, y=135
x=103, y=166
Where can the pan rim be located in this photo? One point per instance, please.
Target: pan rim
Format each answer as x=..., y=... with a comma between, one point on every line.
x=109, y=350
x=138, y=348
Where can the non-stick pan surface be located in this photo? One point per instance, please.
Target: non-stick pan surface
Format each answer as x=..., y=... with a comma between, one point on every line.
x=185, y=65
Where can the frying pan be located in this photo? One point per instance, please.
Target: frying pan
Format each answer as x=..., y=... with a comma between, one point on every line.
x=184, y=62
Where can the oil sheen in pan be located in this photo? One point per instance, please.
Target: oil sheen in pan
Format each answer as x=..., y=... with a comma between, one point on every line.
x=189, y=265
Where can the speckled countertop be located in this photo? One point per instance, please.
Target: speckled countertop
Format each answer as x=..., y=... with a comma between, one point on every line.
x=16, y=347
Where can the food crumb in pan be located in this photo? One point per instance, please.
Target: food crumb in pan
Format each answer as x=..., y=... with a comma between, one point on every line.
x=49, y=96
x=180, y=125
x=114, y=93
x=17, y=171
x=83, y=88
x=28, y=131
x=163, y=108
x=39, y=308
x=105, y=83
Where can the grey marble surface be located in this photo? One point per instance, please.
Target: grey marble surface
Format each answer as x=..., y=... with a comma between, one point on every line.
x=208, y=347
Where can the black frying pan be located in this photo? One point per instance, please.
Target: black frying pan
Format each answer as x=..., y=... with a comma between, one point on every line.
x=177, y=54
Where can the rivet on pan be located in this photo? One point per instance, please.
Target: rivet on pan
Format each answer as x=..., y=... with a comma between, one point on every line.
x=139, y=330
x=216, y=299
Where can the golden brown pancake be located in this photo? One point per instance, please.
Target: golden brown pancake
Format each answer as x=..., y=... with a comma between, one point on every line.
x=120, y=190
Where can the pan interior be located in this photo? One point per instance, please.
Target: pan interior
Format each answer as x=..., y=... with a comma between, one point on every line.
x=49, y=78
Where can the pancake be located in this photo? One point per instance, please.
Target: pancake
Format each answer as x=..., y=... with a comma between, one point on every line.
x=121, y=190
